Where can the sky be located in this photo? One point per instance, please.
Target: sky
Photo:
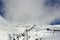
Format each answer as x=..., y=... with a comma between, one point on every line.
x=30, y=11
x=52, y=3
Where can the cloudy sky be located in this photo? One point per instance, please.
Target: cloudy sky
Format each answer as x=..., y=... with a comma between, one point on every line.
x=30, y=11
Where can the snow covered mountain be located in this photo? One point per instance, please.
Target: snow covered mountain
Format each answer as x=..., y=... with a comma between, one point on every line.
x=31, y=32
x=24, y=12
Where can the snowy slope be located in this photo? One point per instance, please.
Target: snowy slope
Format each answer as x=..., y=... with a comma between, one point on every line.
x=42, y=34
x=38, y=32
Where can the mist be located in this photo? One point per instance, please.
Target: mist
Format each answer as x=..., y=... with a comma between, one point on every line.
x=30, y=11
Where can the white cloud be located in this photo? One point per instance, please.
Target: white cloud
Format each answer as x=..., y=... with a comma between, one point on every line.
x=30, y=11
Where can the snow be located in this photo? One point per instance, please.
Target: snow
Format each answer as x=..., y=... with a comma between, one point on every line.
x=10, y=31
x=37, y=32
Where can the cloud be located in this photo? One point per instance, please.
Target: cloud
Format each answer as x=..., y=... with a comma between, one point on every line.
x=30, y=11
